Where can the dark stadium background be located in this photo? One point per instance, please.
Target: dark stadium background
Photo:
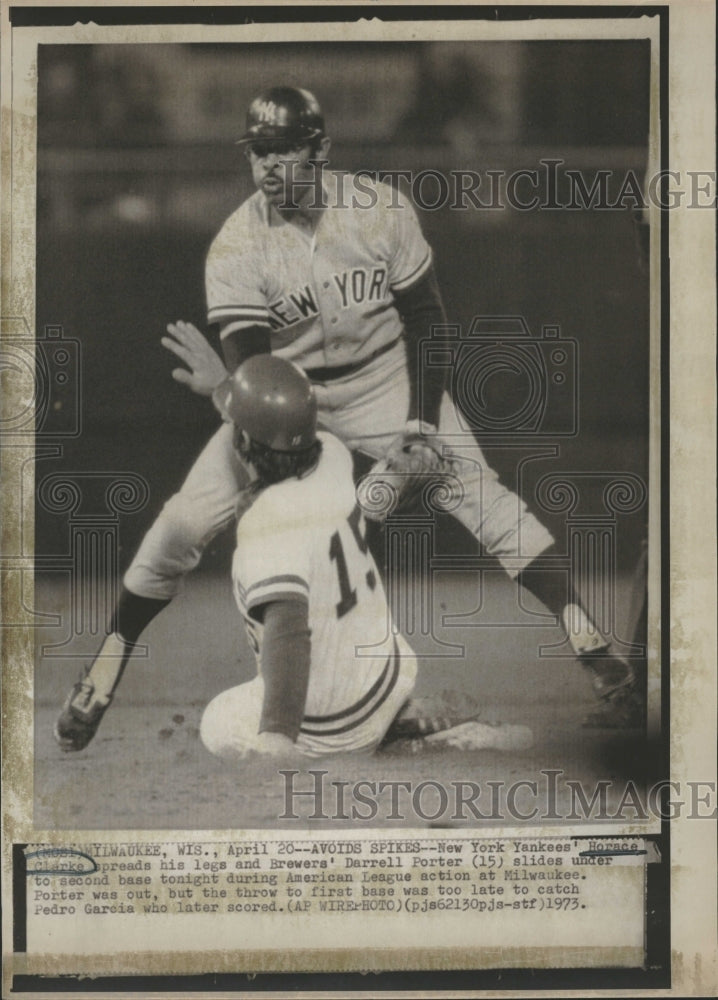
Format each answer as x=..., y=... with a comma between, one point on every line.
x=137, y=170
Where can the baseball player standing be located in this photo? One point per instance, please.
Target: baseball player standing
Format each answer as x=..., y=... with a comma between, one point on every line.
x=332, y=272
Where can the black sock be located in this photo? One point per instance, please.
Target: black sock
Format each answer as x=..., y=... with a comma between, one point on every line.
x=133, y=614
x=550, y=586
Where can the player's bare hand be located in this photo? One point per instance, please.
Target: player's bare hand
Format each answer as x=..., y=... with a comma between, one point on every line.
x=276, y=745
x=205, y=369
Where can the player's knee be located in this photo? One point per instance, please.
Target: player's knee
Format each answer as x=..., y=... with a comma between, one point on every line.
x=172, y=547
x=182, y=518
x=220, y=733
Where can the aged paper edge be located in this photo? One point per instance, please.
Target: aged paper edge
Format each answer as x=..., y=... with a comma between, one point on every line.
x=692, y=405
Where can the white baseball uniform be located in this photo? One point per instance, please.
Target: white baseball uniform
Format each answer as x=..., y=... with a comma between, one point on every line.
x=328, y=300
x=304, y=539
x=328, y=297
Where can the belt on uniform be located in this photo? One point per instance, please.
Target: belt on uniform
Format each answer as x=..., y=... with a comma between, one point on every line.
x=340, y=371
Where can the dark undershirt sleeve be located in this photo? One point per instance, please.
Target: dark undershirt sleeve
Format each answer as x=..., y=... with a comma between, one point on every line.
x=421, y=308
x=286, y=654
x=239, y=345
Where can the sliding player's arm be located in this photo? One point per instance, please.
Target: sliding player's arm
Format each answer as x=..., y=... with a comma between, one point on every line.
x=286, y=655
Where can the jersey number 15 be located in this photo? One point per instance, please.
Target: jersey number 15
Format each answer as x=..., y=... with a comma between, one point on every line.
x=348, y=594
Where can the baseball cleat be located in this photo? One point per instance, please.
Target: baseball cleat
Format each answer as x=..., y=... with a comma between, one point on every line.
x=621, y=709
x=613, y=678
x=482, y=736
x=420, y=726
x=615, y=683
x=81, y=715
x=422, y=716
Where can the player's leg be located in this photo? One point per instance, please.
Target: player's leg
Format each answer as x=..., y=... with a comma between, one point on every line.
x=613, y=678
x=230, y=723
x=450, y=719
x=507, y=530
x=368, y=412
x=203, y=506
x=366, y=728
x=172, y=547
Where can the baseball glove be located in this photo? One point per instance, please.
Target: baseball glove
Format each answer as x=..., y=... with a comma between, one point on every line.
x=414, y=468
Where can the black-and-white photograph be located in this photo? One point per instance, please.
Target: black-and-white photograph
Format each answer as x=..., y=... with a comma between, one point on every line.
x=344, y=471
x=357, y=427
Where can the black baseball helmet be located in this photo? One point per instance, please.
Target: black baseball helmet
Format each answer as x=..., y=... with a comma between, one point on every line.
x=285, y=113
x=274, y=402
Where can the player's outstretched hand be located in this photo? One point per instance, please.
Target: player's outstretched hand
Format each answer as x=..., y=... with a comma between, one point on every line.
x=206, y=369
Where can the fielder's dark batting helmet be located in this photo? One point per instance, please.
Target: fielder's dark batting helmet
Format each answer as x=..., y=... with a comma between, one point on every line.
x=274, y=402
x=284, y=113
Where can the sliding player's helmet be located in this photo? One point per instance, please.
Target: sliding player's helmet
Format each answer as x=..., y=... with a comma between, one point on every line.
x=274, y=402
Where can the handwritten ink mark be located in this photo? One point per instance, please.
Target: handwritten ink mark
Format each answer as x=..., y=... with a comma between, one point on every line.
x=71, y=868
x=607, y=854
